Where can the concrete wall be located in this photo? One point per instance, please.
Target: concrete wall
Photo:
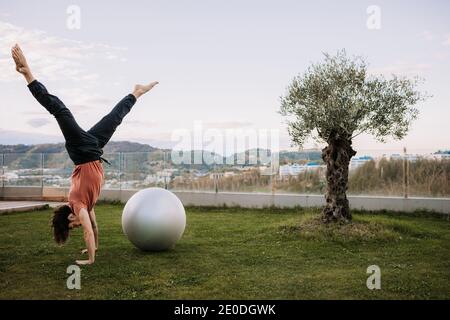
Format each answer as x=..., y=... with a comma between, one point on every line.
x=18, y=193
x=245, y=200
x=259, y=200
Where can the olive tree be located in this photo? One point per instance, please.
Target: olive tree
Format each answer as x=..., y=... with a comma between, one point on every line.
x=334, y=101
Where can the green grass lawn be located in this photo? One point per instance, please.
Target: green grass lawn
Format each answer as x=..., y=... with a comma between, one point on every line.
x=234, y=254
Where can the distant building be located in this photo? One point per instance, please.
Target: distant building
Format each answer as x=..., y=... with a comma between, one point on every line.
x=442, y=155
x=228, y=174
x=216, y=175
x=7, y=176
x=151, y=178
x=162, y=176
x=409, y=157
x=357, y=162
x=265, y=170
x=295, y=169
x=242, y=168
x=200, y=174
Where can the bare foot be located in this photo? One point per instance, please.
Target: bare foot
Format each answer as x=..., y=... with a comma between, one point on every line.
x=21, y=63
x=140, y=89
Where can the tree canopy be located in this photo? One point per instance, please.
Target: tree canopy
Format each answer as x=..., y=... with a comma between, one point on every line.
x=338, y=99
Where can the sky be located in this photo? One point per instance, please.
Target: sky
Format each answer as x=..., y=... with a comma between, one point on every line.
x=221, y=64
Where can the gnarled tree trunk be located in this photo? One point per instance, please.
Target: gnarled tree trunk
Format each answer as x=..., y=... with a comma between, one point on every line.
x=337, y=157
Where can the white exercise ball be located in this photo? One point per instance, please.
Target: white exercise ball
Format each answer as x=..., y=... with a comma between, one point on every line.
x=153, y=219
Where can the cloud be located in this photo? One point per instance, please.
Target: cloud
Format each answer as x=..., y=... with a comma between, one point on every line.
x=427, y=35
x=431, y=36
x=43, y=112
x=401, y=69
x=155, y=139
x=79, y=108
x=446, y=41
x=140, y=123
x=99, y=100
x=38, y=122
x=17, y=137
x=227, y=124
x=440, y=55
x=80, y=99
x=53, y=58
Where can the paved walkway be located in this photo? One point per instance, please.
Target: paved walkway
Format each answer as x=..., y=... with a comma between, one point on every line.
x=17, y=206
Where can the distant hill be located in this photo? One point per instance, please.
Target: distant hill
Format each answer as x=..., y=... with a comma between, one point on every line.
x=127, y=146
x=295, y=156
x=283, y=156
x=28, y=156
x=112, y=146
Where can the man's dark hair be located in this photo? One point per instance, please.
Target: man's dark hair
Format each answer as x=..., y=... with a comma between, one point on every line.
x=60, y=223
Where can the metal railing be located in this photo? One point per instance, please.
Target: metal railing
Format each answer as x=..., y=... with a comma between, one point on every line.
x=137, y=170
